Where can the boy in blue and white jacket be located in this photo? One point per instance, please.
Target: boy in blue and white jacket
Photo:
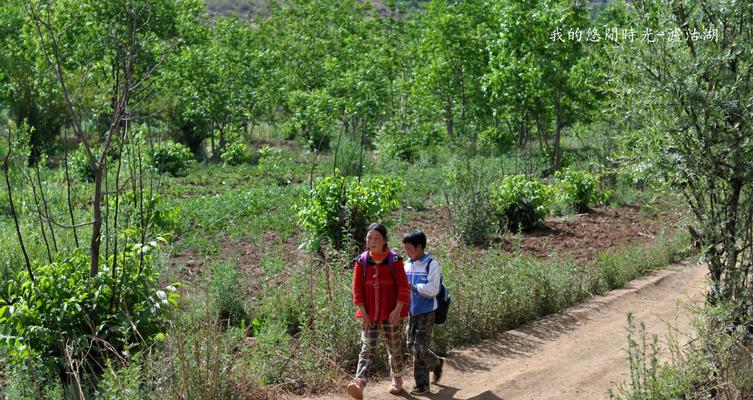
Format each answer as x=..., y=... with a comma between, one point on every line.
x=424, y=277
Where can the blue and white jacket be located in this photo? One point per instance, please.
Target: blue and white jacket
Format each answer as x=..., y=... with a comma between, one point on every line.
x=425, y=285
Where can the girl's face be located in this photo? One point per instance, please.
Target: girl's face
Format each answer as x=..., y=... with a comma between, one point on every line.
x=375, y=241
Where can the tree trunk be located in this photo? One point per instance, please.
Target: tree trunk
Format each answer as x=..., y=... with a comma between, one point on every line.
x=448, y=117
x=96, y=220
x=557, y=135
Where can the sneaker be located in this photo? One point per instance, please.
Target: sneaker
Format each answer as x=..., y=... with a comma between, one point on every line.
x=397, y=385
x=438, y=370
x=420, y=389
x=355, y=388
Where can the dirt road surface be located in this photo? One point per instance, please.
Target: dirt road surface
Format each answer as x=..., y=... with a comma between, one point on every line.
x=575, y=354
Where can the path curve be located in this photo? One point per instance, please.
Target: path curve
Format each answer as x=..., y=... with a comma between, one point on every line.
x=575, y=354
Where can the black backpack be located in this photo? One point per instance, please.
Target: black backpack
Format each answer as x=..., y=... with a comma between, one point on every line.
x=443, y=299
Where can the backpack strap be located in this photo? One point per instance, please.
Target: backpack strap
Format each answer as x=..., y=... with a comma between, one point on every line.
x=441, y=284
x=391, y=258
x=428, y=263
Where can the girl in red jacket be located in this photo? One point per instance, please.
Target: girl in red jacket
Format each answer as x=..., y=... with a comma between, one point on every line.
x=382, y=294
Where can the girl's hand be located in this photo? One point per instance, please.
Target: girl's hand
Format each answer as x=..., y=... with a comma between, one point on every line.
x=395, y=314
x=365, y=322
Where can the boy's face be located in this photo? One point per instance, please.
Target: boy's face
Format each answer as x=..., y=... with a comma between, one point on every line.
x=414, y=252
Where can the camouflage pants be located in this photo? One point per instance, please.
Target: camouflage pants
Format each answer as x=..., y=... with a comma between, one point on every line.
x=394, y=341
x=419, y=337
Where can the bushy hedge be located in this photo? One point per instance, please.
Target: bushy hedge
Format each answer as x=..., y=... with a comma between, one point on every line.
x=339, y=207
x=577, y=189
x=173, y=158
x=66, y=313
x=521, y=203
x=235, y=154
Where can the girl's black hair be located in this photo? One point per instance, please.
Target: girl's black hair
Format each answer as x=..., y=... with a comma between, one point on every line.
x=377, y=226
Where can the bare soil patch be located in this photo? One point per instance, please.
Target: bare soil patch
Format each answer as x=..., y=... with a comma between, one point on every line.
x=581, y=237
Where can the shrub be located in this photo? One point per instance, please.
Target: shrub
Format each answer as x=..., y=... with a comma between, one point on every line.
x=393, y=144
x=469, y=205
x=235, y=154
x=496, y=139
x=80, y=167
x=578, y=189
x=173, y=158
x=159, y=217
x=225, y=296
x=338, y=207
x=65, y=313
x=520, y=203
x=348, y=156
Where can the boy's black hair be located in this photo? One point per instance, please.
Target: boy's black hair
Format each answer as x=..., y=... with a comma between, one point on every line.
x=416, y=238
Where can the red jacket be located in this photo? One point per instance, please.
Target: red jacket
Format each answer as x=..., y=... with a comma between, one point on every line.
x=380, y=300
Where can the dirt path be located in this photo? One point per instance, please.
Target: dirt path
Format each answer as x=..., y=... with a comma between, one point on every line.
x=576, y=354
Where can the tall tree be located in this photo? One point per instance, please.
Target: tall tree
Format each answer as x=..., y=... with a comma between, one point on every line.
x=538, y=64
x=453, y=44
x=27, y=88
x=686, y=85
x=104, y=55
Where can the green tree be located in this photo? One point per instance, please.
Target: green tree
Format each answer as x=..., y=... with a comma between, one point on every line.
x=686, y=86
x=537, y=76
x=452, y=46
x=212, y=83
x=104, y=55
x=27, y=89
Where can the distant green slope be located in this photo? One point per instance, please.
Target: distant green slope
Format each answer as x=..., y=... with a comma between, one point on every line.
x=241, y=8
x=251, y=8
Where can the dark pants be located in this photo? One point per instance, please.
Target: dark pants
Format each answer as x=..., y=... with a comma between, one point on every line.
x=419, y=337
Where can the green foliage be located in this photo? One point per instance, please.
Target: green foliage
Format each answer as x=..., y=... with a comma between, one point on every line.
x=710, y=365
x=392, y=144
x=578, y=189
x=64, y=310
x=686, y=124
x=648, y=378
x=202, y=360
x=615, y=268
x=349, y=157
x=496, y=139
x=469, y=205
x=80, y=166
x=122, y=383
x=235, y=154
x=537, y=79
x=173, y=158
x=224, y=293
x=271, y=163
x=5, y=209
x=338, y=207
x=154, y=215
x=520, y=203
